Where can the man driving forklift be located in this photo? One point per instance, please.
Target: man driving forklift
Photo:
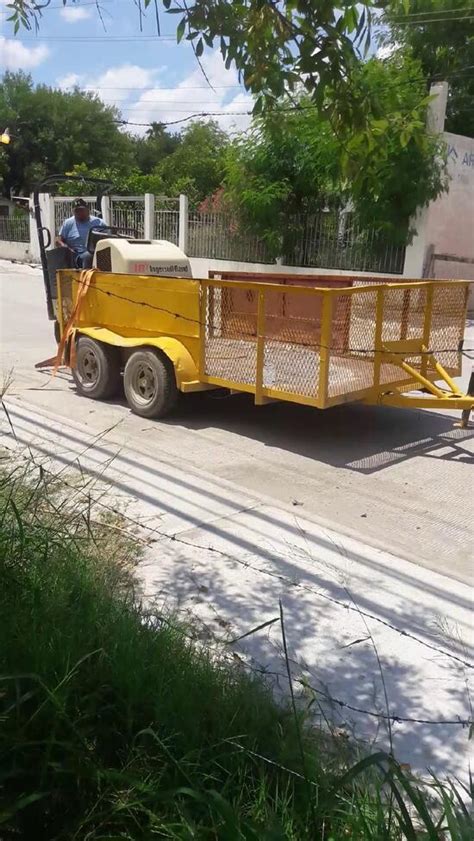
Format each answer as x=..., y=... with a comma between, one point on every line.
x=75, y=231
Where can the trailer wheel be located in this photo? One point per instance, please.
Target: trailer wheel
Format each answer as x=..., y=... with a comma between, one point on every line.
x=150, y=384
x=97, y=371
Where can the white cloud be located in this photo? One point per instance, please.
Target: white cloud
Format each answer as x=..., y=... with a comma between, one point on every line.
x=70, y=80
x=136, y=91
x=73, y=14
x=16, y=56
x=193, y=96
x=116, y=84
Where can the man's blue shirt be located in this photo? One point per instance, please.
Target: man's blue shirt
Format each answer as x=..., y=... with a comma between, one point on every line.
x=75, y=233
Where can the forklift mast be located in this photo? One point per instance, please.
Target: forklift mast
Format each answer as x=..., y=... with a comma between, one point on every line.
x=45, y=237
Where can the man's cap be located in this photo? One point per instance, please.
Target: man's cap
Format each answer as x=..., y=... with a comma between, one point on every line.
x=77, y=203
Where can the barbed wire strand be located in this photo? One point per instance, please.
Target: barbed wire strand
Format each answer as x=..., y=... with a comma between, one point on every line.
x=174, y=538
x=254, y=335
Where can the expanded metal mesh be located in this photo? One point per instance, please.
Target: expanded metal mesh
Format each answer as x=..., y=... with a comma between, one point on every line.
x=351, y=366
x=447, y=323
x=292, y=342
x=292, y=330
x=230, y=336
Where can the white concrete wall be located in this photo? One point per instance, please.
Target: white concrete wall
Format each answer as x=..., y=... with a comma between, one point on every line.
x=20, y=251
x=202, y=265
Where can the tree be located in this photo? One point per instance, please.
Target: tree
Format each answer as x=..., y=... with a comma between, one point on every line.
x=52, y=130
x=125, y=181
x=297, y=162
x=197, y=164
x=440, y=34
x=191, y=163
x=157, y=144
x=285, y=166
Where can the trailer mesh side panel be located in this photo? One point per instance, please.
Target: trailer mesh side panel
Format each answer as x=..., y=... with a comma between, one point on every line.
x=294, y=358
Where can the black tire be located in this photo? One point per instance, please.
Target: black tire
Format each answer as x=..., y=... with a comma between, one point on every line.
x=97, y=371
x=57, y=331
x=150, y=384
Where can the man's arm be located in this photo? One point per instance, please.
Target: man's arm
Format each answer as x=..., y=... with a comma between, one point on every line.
x=61, y=237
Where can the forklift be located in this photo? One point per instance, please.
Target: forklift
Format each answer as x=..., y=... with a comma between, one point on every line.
x=114, y=249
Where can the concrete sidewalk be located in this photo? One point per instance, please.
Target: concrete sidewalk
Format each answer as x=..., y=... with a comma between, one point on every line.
x=360, y=621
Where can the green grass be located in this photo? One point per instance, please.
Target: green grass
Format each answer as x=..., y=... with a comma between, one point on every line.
x=114, y=725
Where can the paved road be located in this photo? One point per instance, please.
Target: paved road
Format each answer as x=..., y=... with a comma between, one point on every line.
x=239, y=507
x=399, y=479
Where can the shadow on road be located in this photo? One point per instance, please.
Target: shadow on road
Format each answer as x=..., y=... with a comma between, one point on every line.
x=361, y=438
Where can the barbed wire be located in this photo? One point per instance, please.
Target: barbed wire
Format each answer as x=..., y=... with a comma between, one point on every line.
x=255, y=335
x=174, y=538
x=394, y=718
x=397, y=719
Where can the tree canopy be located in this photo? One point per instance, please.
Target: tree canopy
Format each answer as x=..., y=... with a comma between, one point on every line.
x=191, y=162
x=440, y=34
x=296, y=163
x=58, y=131
x=52, y=130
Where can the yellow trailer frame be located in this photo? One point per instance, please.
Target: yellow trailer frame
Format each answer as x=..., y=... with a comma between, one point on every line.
x=315, y=346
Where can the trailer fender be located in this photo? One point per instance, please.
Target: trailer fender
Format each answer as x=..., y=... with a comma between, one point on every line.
x=184, y=365
x=185, y=368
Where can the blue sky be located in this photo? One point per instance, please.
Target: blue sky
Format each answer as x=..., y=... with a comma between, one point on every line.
x=146, y=77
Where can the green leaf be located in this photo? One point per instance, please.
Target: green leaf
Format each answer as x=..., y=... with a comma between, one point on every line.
x=359, y=768
x=180, y=29
x=199, y=48
x=350, y=19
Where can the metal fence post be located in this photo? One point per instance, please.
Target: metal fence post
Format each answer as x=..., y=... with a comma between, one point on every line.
x=46, y=202
x=183, y=223
x=149, y=216
x=48, y=215
x=105, y=210
x=34, y=244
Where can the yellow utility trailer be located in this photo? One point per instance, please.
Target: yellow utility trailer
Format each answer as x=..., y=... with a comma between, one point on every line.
x=377, y=343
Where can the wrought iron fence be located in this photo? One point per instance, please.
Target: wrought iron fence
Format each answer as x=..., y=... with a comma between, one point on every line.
x=63, y=208
x=167, y=225
x=216, y=235
x=332, y=240
x=128, y=212
x=326, y=240
x=15, y=229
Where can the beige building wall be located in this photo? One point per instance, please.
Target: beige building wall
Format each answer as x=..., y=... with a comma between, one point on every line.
x=449, y=221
